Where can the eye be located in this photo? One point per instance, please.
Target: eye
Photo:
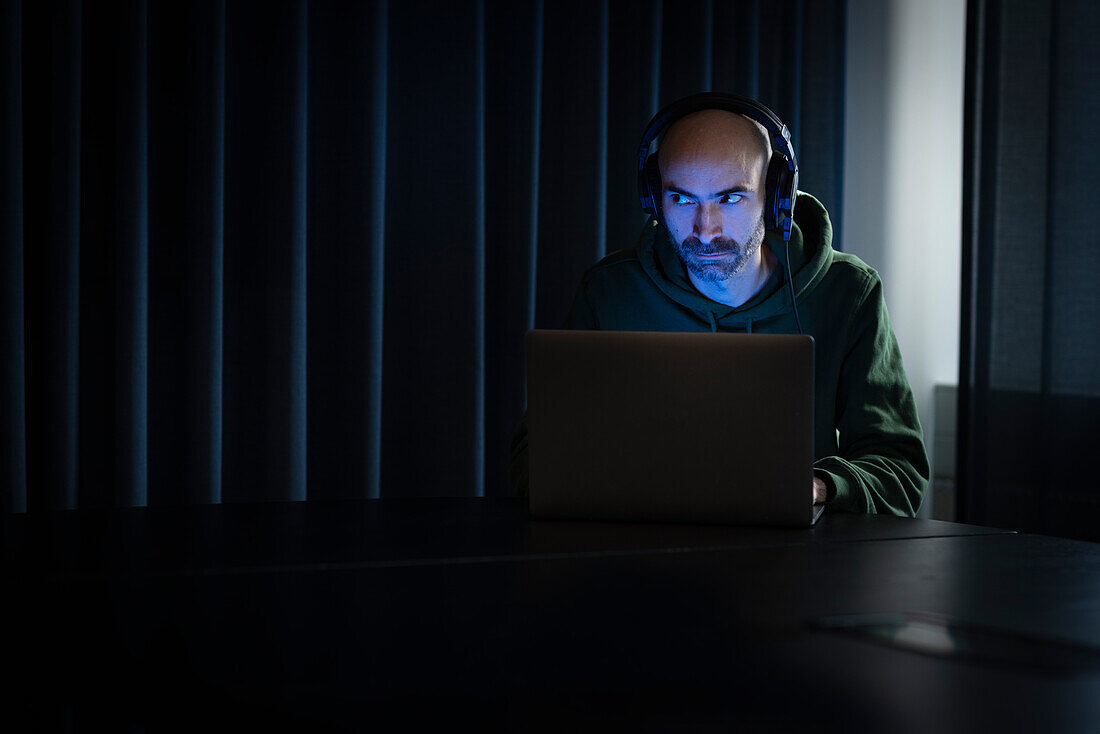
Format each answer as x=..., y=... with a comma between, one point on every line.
x=731, y=199
x=679, y=199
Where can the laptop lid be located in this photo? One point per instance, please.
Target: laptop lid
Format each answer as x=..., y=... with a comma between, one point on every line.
x=671, y=427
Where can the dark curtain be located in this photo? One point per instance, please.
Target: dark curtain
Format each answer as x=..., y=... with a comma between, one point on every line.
x=289, y=250
x=1030, y=373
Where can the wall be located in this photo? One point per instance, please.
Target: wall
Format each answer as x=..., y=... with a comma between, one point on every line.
x=903, y=177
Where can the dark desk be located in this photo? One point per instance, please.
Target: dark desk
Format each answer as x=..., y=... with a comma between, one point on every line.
x=342, y=615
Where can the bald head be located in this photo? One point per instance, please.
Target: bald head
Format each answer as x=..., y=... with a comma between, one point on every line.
x=710, y=137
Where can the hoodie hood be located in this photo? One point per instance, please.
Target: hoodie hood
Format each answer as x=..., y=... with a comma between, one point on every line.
x=811, y=254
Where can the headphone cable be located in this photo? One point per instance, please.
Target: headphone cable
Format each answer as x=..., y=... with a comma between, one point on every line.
x=790, y=278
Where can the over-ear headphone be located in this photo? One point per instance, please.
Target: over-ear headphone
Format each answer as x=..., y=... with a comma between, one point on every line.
x=781, y=182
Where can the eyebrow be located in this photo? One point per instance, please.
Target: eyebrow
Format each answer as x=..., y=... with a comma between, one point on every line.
x=738, y=189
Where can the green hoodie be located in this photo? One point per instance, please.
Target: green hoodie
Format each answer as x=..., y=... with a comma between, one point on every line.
x=868, y=442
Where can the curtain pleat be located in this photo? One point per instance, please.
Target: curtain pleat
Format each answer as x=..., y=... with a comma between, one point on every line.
x=820, y=114
x=132, y=260
x=72, y=248
x=289, y=250
x=533, y=178
x=208, y=465
x=1030, y=338
x=264, y=263
x=515, y=204
x=13, y=445
x=602, y=93
x=65, y=247
x=187, y=243
x=738, y=68
x=569, y=155
x=706, y=74
x=477, y=447
x=297, y=419
x=377, y=245
x=429, y=361
x=52, y=359
x=656, y=22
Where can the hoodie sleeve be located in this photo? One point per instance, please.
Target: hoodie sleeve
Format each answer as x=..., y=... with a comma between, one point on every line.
x=881, y=466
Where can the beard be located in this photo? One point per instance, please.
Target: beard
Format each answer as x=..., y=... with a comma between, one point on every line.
x=737, y=254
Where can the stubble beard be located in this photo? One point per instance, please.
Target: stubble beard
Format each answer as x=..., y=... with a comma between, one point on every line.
x=717, y=271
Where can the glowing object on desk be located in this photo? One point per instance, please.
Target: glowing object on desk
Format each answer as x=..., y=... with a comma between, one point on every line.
x=924, y=637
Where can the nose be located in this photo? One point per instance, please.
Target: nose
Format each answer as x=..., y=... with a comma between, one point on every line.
x=708, y=222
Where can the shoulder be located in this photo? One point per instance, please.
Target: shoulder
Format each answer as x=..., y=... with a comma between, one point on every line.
x=851, y=275
x=606, y=290
x=617, y=262
x=847, y=265
x=619, y=267
x=848, y=296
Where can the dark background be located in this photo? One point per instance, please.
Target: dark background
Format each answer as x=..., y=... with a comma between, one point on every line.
x=289, y=250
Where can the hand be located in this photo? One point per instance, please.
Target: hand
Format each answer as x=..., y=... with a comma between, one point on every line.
x=820, y=491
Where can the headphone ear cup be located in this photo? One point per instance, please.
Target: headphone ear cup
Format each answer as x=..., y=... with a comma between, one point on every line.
x=776, y=185
x=652, y=177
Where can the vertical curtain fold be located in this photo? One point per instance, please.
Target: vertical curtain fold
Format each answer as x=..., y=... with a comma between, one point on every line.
x=52, y=312
x=795, y=80
x=66, y=243
x=477, y=447
x=1029, y=381
x=297, y=346
x=428, y=411
x=602, y=94
x=706, y=74
x=347, y=212
x=533, y=181
x=820, y=113
x=289, y=250
x=265, y=407
x=376, y=132
x=517, y=200
x=187, y=220
x=216, y=300
x=13, y=424
x=132, y=263
x=656, y=20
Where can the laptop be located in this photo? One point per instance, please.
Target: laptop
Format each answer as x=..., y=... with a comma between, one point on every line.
x=671, y=427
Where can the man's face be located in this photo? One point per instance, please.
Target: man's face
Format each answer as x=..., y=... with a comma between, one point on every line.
x=712, y=170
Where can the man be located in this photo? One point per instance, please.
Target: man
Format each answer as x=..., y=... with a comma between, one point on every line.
x=710, y=265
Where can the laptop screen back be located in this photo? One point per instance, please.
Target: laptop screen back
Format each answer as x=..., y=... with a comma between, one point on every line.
x=671, y=427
